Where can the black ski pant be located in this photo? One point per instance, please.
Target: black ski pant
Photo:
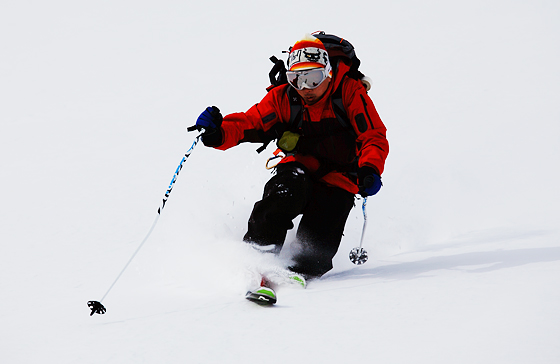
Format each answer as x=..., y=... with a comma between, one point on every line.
x=324, y=209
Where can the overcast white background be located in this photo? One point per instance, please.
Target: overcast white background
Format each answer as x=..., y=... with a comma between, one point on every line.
x=463, y=238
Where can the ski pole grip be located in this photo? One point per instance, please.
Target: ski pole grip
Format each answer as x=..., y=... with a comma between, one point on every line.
x=192, y=128
x=369, y=181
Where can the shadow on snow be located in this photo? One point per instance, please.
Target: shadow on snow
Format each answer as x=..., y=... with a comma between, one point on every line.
x=490, y=261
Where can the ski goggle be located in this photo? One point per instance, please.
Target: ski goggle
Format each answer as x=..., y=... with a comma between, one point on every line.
x=307, y=78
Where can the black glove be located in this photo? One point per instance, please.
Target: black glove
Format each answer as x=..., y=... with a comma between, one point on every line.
x=210, y=120
x=369, y=181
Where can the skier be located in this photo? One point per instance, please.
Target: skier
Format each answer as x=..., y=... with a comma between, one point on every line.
x=326, y=163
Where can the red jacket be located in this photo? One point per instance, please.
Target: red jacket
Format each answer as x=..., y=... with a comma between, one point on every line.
x=317, y=148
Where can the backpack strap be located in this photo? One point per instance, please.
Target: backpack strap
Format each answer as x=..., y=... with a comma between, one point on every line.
x=296, y=114
x=338, y=108
x=296, y=109
x=295, y=122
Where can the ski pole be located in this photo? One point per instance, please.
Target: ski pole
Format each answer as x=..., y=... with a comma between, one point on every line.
x=359, y=255
x=96, y=306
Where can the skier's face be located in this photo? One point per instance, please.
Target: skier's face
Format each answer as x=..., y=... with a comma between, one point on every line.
x=312, y=96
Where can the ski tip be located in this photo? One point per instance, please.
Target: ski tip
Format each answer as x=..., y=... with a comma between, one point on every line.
x=263, y=296
x=298, y=280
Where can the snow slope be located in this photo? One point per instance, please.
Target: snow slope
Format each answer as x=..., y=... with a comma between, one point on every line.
x=463, y=238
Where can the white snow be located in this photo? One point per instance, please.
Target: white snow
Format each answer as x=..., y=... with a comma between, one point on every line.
x=463, y=238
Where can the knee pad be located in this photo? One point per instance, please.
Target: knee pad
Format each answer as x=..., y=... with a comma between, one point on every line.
x=292, y=180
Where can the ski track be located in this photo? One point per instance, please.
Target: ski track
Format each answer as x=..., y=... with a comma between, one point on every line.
x=463, y=238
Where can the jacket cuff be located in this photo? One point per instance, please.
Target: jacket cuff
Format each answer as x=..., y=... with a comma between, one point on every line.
x=367, y=170
x=212, y=138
